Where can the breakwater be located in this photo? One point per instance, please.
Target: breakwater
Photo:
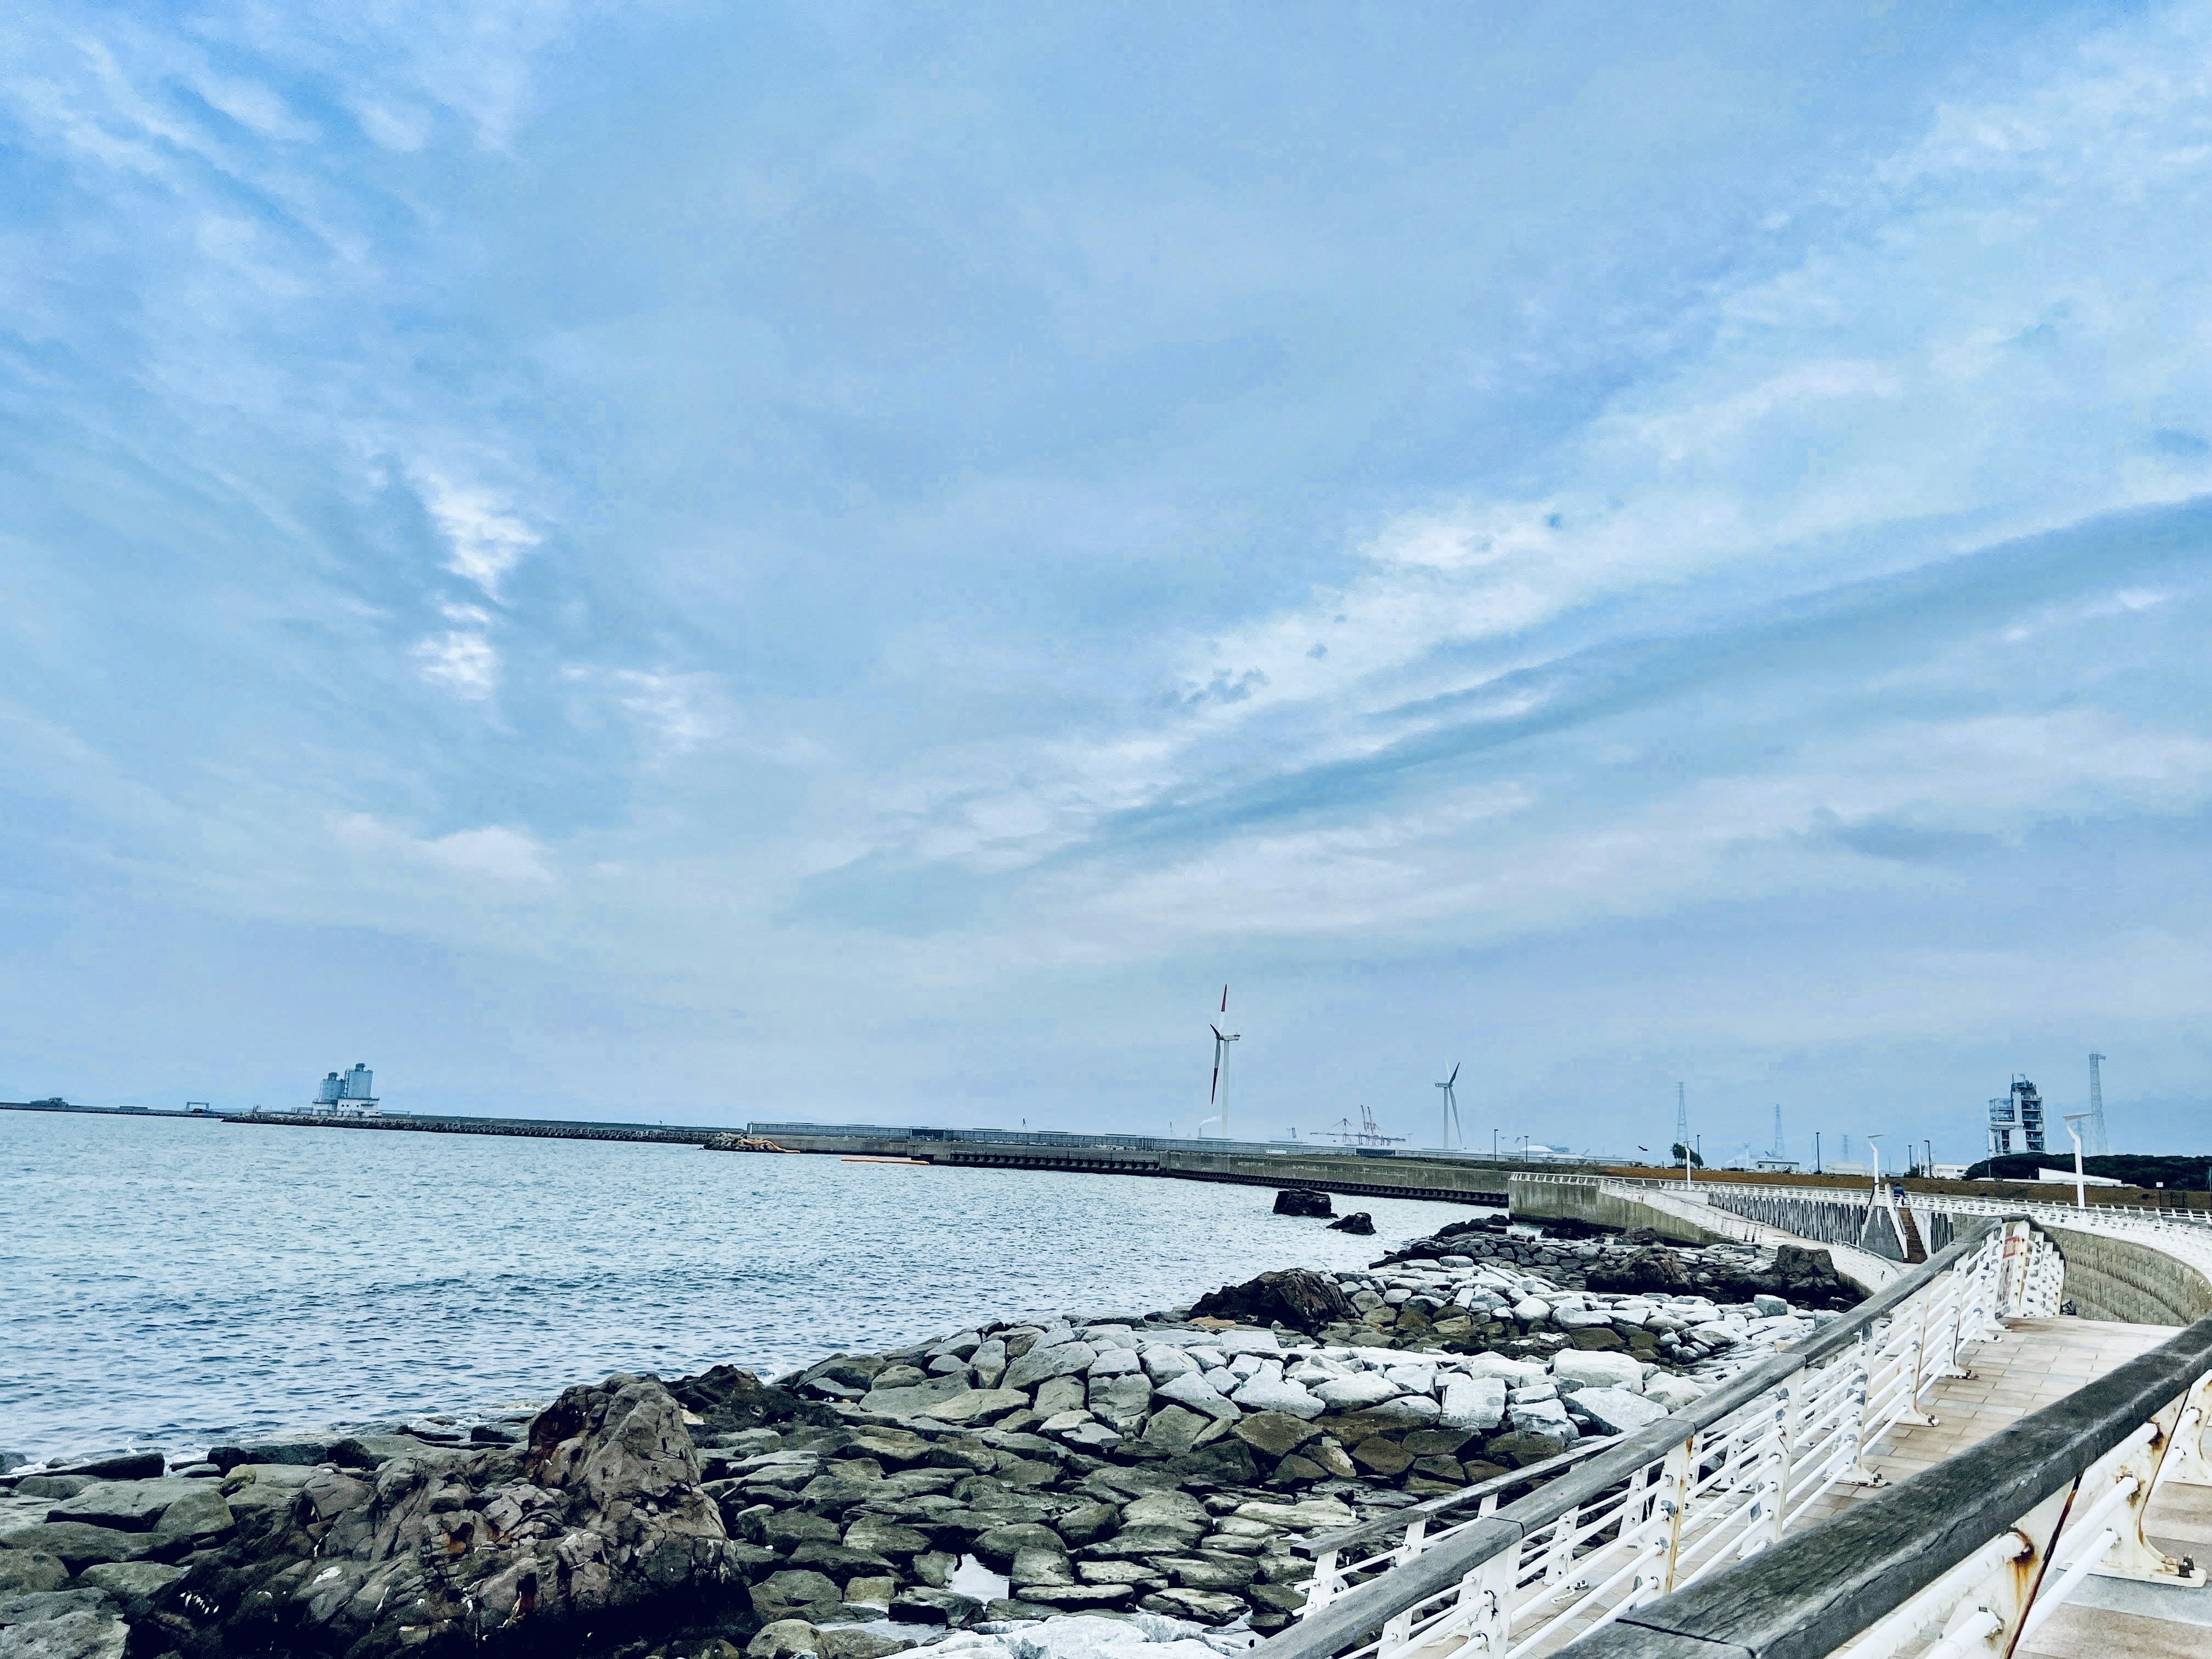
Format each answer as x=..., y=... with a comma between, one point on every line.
x=1354, y=1173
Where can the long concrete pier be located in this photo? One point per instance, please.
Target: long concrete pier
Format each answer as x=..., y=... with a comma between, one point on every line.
x=1352, y=1173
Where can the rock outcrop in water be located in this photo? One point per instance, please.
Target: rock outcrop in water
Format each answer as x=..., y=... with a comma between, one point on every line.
x=1303, y=1200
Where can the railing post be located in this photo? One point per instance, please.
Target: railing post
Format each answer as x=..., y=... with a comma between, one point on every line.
x=1321, y=1589
x=1852, y=1453
x=1676, y=1479
x=1773, y=1489
x=2134, y=1556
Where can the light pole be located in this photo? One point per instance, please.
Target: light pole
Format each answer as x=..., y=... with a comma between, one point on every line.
x=1873, y=1144
x=1493, y=1146
x=2081, y=1186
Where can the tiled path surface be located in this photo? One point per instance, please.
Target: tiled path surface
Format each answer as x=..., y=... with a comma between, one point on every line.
x=2035, y=1364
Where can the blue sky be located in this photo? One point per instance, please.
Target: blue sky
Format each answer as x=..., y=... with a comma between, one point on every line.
x=712, y=563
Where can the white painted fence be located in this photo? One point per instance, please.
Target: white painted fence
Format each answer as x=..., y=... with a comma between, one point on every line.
x=1679, y=1499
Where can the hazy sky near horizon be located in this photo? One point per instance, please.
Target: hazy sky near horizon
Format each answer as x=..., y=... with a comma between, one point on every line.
x=859, y=562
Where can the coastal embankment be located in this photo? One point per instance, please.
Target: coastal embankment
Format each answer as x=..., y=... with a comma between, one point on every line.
x=1356, y=1172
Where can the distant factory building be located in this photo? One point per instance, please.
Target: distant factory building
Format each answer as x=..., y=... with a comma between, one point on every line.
x=350, y=1093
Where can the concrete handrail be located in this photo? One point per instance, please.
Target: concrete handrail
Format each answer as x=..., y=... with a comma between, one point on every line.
x=1357, y=1614
x=1815, y=1590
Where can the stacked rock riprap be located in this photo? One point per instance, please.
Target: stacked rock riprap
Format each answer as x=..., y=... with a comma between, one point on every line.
x=1160, y=1469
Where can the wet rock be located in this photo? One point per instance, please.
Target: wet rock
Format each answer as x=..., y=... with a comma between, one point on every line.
x=599, y=1523
x=131, y=1585
x=1378, y=1455
x=924, y=1605
x=1359, y=1222
x=114, y=1465
x=1205, y=1607
x=1274, y=1433
x=1302, y=1201
x=27, y=1572
x=1520, y=1448
x=1303, y=1300
x=781, y=1594
x=1174, y=1430
x=729, y=1401
x=1193, y=1391
x=1650, y=1271
x=79, y=1545
x=79, y=1632
x=784, y=1639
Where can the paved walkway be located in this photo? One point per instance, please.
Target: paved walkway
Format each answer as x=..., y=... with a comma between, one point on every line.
x=2037, y=1363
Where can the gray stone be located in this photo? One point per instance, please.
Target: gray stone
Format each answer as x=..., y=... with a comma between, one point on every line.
x=198, y=1518
x=1174, y=1431
x=1114, y=1362
x=912, y=1400
x=1358, y=1391
x=924, y=1605
x=784, y=1639
x=79, y=1545
x=1042, y=1365
x=1122, y=1401
x=1409, y=1410
x=1205, y=1606
x=1035, y=1565
x=1616, y=1410
x=24, y=1572
x=1476, y=1403
x=1769, y=1307
x=1598, y=1371
x=130, y=1584
x=779, y=1594
x=1162, y=1362
x=1266, y=1394
x=126, y=1506
x=1546, y=1417
x=83, y=1633
x=988, y=1363
x=976, y=1405
x=1189, y=1388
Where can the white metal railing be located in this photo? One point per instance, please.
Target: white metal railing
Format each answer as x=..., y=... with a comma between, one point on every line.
x=1683, y=1497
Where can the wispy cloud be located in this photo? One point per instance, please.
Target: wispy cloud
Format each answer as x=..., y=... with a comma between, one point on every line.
x=485, y=536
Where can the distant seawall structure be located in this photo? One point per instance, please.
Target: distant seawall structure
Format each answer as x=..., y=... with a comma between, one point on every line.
x=1356, y=1172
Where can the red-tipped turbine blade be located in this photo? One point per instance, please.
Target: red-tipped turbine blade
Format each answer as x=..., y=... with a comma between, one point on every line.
x=1216, y=1089
x=1224, y=999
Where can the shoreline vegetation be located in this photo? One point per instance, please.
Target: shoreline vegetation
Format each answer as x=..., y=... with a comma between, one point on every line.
x=1161, y=1469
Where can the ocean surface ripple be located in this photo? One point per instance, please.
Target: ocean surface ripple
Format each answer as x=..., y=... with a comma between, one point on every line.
x=174, y=1283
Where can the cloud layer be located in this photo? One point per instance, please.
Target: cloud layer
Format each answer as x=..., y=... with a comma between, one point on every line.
x=707, y=540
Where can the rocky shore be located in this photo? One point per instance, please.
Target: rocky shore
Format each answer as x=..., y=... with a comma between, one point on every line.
x=1161, y=1469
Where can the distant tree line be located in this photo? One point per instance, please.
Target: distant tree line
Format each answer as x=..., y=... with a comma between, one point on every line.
x=2131, y=1169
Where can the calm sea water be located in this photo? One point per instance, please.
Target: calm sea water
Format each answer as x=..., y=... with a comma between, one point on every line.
x=171, y=1283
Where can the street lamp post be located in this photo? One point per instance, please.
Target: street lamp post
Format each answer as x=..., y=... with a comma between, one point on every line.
x=2080, y=1186
x=1874, y=1143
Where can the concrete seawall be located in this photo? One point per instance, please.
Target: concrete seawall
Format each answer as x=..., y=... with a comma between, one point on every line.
x=2119, y=1278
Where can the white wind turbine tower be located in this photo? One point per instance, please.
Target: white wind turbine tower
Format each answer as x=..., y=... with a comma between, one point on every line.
x=1218, y=1097
x=1452, y=1110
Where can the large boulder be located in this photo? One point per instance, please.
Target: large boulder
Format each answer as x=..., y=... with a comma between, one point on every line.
x=1303, y=1200
x=1650, y=1271
x=598, y=1523
x=1359, y=1222
x=1303, y=1300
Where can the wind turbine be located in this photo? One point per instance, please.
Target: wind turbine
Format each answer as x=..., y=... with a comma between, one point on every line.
x=1451, y=1110
x=1217, y=1095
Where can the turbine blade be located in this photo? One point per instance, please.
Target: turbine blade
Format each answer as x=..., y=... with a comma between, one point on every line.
x=1216, y=1089
x=1455, y=1076
x=1217, y=1037
x=1224, y=999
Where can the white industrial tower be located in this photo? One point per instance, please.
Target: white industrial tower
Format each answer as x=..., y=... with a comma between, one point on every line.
x=2098, y=1143
x=1681, y=1118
